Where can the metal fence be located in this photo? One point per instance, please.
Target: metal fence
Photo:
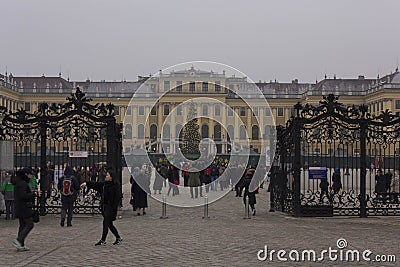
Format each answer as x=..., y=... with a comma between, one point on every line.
x=76, y=133
x=356, y=155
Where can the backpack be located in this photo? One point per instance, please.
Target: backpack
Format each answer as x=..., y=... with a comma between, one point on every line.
x=66, y=186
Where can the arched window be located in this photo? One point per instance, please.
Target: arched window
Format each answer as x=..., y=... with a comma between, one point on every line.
x=217, y=132
x=242, y=132
x=231, y=132
x=153, y=131
x=141, y=131
x=204, y=131
x=128, y=131
x=178, y=131
x=166, y=132
x=254, y=132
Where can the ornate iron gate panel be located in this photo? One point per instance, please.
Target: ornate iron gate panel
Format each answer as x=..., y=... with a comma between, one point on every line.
x=76, y=133
x=351, y=147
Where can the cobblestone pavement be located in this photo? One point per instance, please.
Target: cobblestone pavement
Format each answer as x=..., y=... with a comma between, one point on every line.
x=185, y=239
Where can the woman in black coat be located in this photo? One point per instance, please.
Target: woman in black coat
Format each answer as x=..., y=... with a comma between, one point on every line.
x=139, y=189
x=248, y=191
x=110, y=199
x=24, y=202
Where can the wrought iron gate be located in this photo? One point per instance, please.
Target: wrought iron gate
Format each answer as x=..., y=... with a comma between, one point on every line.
x=76, y=133
x=359, y=153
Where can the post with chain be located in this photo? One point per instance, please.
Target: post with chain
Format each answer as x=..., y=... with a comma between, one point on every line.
x=164, y=208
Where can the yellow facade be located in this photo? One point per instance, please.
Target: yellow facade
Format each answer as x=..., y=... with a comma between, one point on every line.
x=26, y=92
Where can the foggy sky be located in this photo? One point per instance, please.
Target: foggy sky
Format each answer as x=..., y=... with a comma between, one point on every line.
x=267, y=40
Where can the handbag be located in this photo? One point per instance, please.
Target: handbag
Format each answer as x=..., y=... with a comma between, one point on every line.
x=131, y=200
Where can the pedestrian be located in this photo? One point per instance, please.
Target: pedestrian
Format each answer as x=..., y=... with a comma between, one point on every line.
x=7, y=189
x=110, y=199
x=69, y=187
x=138, y=190
x=158, y=180
x=388, y=181
x=24, y=199
x=380, y=182
x=247, y=193
x=336, y=181
x=194, y=181
x=324, y=185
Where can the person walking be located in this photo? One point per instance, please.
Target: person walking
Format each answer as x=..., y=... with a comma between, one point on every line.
x=194, y=181
x=69, y=187
x=7, y=189
x=24, y=199
x=110, y=199
x=158, y=180
x=139, y=190
x=251, y=194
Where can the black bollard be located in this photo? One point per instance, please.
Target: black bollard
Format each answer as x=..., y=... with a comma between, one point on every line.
x=206, y=208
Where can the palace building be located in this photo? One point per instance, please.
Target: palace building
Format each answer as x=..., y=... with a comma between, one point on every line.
x=146, y=121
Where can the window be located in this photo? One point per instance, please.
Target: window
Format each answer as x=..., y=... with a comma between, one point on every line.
x=128, y=131
x=205, y=110
x=231, y=87
x=254, y=132
x=153, y=132
x=267, y=111
x=116, y=110
x=217, y=132
x=129, y=110
x=255, y=111
x=205, y=86
x=267, y=132
x=179, y=110
x=166, y=110
x=153, y=111
x=28, y=106
x=179, y=86
x=140, y=131
x=397, y=104
x=242, y=132
x=217, y=110
x=230, y=132
x=242, y=111
x=230, y=111
x=166, y=132
x=280, y=112
x=292, y=112
x=192, y=86
x=166, y=86
x=204, y=131
x=217, y=86
x=141, y=110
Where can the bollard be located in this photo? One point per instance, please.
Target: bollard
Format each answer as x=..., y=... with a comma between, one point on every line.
x=246, y=208
x=164, y=208
x=206, y=208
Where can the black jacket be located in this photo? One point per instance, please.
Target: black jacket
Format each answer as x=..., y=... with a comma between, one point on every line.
x=23, y=196
x=110, y=197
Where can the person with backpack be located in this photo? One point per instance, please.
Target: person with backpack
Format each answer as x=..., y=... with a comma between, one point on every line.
x=110, y=199
x=68, y=186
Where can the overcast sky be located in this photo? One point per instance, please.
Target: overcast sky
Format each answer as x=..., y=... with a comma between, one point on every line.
x=285, y=39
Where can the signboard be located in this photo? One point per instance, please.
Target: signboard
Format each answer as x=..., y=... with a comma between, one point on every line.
x=78, y=154
x=7, y=155
x=317, y=173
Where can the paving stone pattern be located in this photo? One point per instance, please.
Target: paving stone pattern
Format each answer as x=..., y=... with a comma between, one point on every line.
x=185, y=239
